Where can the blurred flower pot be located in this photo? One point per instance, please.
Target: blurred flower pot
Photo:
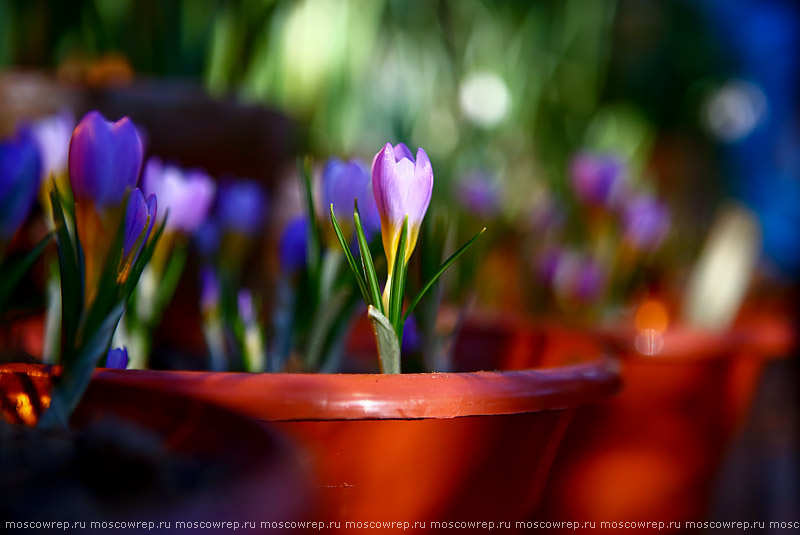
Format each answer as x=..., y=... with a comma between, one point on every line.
x=136, y=452
x=652, y=452
x=415, y=447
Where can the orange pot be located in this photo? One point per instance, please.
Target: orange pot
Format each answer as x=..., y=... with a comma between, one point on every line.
x=258, y=475
x=410, y=448
x=651, y=453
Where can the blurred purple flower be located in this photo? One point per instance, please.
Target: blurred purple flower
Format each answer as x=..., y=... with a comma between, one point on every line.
x=412, y=340
x=209, y=289
x=139, y=219
x=342, y=183
x=646, y=221
x=479, y=195
x=247, y=309
x=590, y=280
x=579, y=277
x=402, y=187
x=52, y=137
x=207, y=238
x=546, y=214
x=20, y=172
x=293, y=246
x=185, y=195
x=104, y=159
x=241, y=207
x=547, y=264
x=597, y=179
x=117, y=358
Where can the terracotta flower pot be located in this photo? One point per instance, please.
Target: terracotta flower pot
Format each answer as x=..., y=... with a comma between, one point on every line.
x=246, y=472
x=416, y=447
x=652, y=452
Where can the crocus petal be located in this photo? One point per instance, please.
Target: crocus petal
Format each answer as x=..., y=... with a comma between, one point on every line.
x=186, y=195
x=52, y=136
x=382, y=165
x=104, y=159
x=90, y=157
x=20, y=169
x=152, y=209
x=241, y=207
x=419, y=197
x=402, y=151
x=293, y=247
x=117, y=358
x=209, y=289
x=135, y=220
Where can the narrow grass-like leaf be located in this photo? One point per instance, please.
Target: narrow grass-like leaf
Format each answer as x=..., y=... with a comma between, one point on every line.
x=447, y=263
x=366, y=262
x=14, y=271
x=386, y=339
x=74, y=379
x=398, y=278
x=169, y=281
x=314, y=248
x=71, y=274
x=362, y=284
x=324, y=320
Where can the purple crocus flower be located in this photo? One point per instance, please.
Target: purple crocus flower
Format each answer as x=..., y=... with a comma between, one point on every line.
x=247, y=309
x=117, y=358
x=185, y=195
x=479, y=195
x=646, y=222
x=139, y=219
x=590, y=280
x=579, y=277
x=597, y=179
x=342, y=183
x=547, y=263
x=412, y=340
x=20, y=171
x=402, y=187
x=104, y=159
x=53, y=136
x=241, y=207
x=293, y=247
x=209, y=289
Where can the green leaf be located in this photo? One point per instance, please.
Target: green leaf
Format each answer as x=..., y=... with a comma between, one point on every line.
x=324, y=320
x=169, y=281
x=314, y=251
x=71, y=274
x=366, y=262
x=441, y=270
x=74, y=379
x=386, y=339
x=398, y=279
x=14, y=271
x=362, y=284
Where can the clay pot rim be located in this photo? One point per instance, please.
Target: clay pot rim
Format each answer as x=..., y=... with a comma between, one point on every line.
x=316, y=397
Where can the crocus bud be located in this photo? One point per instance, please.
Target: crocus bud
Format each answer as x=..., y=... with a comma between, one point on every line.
x=646, y=221
x=293, y=247
x=185, y=195
x=117, y=358
x=597, y=179
x=402, y=187
x=139, y=219
x=104, y=160
x=342, y=183
x=19, y=181
x=241, y=207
